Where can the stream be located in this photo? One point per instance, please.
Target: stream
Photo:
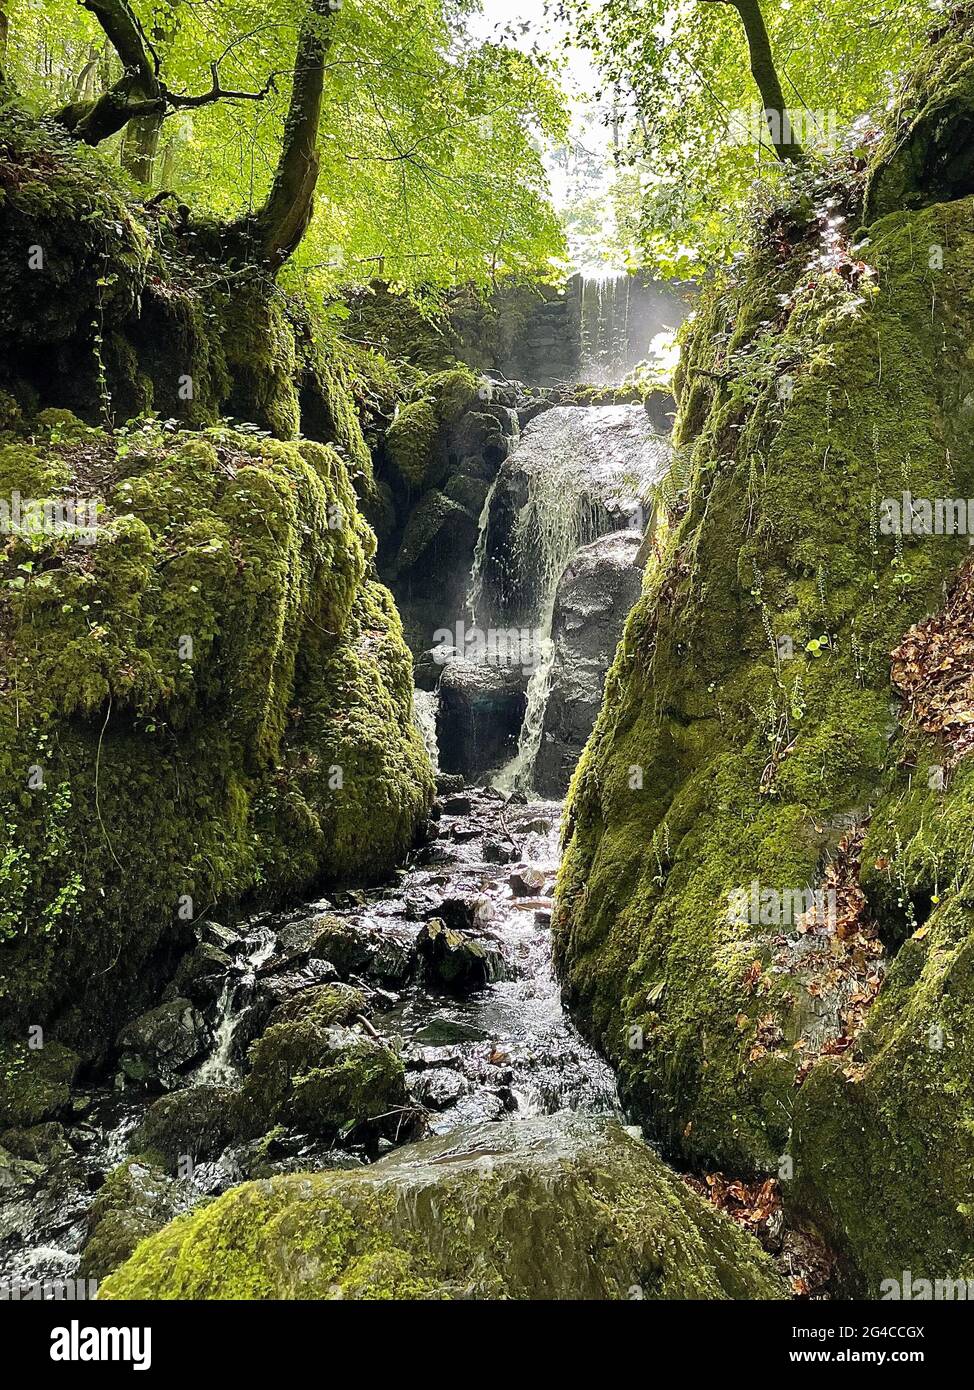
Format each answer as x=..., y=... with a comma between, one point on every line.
x=503, y=1051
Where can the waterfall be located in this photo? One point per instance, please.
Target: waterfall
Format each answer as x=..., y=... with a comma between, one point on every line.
x=586, y=471
x=219, y=1068
x=604, y=327
x=476, y=587
x=424, y=717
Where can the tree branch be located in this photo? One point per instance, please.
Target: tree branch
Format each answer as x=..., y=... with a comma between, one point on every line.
x=765, y=74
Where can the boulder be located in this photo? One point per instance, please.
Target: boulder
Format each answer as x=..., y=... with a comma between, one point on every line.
x=311, y=1071
x=201, y=975
x=452, y=961
x=159, y=1045
x=595, y=594
x=560, y=1207
x=34, y=1082
x=480, y=715
x=196, y=1123
x=136, y=1200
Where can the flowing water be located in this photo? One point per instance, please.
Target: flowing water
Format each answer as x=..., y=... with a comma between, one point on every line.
x=584, y=472
x=504, y=1051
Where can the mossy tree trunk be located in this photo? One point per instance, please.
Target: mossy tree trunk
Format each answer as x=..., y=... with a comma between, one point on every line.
x=765, y=74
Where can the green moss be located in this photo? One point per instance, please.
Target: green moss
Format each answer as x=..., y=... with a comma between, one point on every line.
x=716, y=762
x=136, y=1200
x=210, y=660
x=310, y=1072
x=34, y=1081
x=923, y=157
x=502, y=1211
x=411, y=442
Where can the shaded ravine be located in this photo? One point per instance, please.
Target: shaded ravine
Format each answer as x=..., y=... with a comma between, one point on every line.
x=506, y=1050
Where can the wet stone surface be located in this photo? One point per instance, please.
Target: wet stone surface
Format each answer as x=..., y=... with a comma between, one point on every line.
x=475, y=1019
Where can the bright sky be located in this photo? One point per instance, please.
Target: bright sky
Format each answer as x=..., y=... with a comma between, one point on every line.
x=579, y=77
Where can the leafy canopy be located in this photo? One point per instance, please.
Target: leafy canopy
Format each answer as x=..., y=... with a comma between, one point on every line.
x=431, y=171
x=677, y=74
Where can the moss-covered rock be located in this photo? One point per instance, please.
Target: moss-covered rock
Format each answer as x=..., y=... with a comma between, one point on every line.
x=195, y=1123
x=747, y=726
x=310, y=1071
x=205, y=697
x=34, y=1081
x=533, y=1209
x=136, y=1200
x=926, y=155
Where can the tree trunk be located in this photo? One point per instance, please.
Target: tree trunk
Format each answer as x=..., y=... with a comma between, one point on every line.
x=765, y=74
x=280, y=224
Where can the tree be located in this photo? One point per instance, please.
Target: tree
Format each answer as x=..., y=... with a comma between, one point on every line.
x=765, y=74
x=420, y=145
x=693, y=156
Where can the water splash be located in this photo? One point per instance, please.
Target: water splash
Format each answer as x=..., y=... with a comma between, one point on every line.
x=475, y=591
x=425, y=704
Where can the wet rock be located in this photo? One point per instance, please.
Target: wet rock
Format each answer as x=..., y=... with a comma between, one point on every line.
x=311, y=1071
x=482, y=1107
x=448, y=782
x=456, y=805
x=201, y=975
x=584, y=1184
x=224, y=938
x=595, y=593
x=195, y=1123
x=34, y=1081
x=157, y=1047
x=499, y=852
x=440, y=1087
x=348, y=945
x=43, y=1144
x=463, y=914
x=280, y=983
x=452, y=961
x=136, y=1200
x=527, y=882
x=394, y=961
x=481, y=710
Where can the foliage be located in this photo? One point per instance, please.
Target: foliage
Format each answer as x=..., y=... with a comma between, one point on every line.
x=678, y=76
x=430, y=170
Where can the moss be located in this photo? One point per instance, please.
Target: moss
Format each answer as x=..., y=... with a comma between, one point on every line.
x=924, y=155
x=311, y=1072
x=411, y=442
x=209, y=660
x=715, y=761
x=503, y=1211
x=136, y=1200
x=34, y=1081
x=196, y=1122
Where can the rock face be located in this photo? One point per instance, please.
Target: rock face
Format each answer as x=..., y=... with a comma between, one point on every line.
x=749, y=743
x=481, y=709
x=515, y=1210
x=161, y=1044
x=223, y=605
x=594, y=597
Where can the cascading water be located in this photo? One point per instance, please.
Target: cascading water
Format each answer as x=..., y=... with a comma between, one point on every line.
x=604, y=327
x=586, y=471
